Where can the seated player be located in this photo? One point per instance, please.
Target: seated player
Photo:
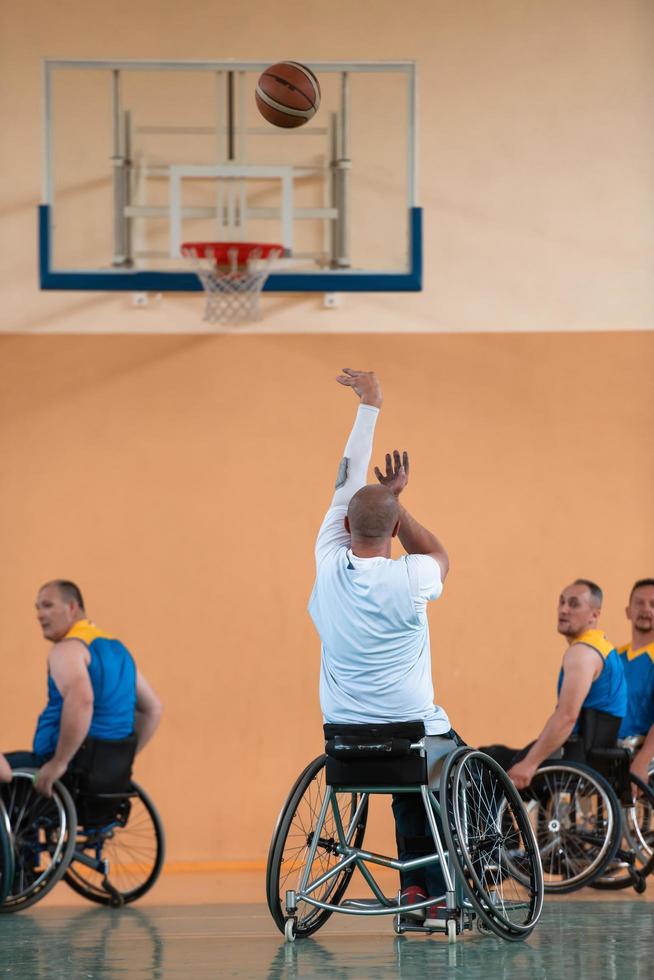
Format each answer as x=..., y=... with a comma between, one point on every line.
x=638, y=661
x=94, y=688
x=370, y=612
x=591, y=676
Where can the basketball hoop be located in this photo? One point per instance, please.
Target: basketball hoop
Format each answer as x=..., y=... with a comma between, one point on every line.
x=232, y=274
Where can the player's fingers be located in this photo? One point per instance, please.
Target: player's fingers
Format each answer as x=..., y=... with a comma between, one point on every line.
x=396, y=459
x=345, y=380
x=378, y=473
x=405, y=462
x=389, y=465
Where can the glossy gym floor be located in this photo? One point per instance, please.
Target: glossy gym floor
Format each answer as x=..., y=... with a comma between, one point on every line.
x=172, y=936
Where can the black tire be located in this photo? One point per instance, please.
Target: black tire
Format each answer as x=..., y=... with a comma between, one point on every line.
x=132, y=841
x=635, y=857
x=6, y=854
x=485, y=825
x=290, y=842
x=577, y=820
x=43, y=836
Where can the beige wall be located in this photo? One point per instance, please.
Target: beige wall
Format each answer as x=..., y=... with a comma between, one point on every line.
x=535, y=164
x=181, y=481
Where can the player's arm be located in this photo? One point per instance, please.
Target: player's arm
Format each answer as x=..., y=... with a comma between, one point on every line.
x=642, y=759
x=579, y=671
x=148, y=712
x=353, y=468
x=68, y=668
x=414, y=538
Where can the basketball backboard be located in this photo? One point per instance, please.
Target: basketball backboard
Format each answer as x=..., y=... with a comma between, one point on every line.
x=143, y=155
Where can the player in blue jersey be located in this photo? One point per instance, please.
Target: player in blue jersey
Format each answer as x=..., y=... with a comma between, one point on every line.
x=591, y=676
x=638, y=661
x=94, y=688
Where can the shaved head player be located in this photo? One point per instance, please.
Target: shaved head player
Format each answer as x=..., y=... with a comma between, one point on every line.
x=371, y=613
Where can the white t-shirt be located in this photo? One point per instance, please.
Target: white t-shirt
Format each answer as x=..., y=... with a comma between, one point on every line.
x=372, y=619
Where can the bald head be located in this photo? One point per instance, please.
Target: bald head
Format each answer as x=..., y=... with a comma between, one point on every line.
x=373, y=513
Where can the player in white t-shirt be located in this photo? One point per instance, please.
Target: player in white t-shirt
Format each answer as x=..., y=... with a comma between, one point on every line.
x=370, y=611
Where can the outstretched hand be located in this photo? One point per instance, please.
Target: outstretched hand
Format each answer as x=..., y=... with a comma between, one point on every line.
x=397, y=472
x=365, y=383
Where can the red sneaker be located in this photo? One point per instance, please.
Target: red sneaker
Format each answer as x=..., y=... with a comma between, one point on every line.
x=435, y=915
x=410, y=896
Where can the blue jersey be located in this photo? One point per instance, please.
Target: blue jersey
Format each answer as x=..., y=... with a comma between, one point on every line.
x=112, y=673
x=608, y=692
x=639, y=673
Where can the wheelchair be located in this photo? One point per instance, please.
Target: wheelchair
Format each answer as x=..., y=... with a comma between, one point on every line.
x=592, y=818
x=318, y=840
x=99, y=832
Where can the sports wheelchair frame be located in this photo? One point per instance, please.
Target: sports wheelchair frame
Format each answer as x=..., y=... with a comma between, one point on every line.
x=593, y=819
x=318, y=839
x=99, y=831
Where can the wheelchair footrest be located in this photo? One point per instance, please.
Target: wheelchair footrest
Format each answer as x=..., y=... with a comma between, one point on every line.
x=366, y=903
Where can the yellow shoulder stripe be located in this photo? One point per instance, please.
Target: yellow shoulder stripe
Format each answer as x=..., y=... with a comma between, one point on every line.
x=597, y=640
x=632, y=654
x=86, y=631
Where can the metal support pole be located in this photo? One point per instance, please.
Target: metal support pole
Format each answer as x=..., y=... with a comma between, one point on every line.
x=119, y=161
x=129, y=177
x=48, y=175
x=340, y=165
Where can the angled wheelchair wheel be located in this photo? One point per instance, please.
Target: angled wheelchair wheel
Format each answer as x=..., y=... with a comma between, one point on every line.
x=576, y=817
x=119, y=848
x=289, y=848
x=487, y=829
x=43, y=834
x=6, y=854
x=634, y=859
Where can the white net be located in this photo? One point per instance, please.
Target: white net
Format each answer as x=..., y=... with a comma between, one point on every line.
x=232, y=289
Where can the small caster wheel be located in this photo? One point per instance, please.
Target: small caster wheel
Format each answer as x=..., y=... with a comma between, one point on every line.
x=117, y=901
x=640, y=885
x=289, y=930
x=397, y=926
x=483, y=928
x=451, y=931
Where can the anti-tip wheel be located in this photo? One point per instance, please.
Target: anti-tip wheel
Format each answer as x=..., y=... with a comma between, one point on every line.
x=451, y=931
x=289, y=930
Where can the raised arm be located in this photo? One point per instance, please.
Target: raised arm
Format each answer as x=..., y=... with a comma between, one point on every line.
x=353, y=468
x=414, y=538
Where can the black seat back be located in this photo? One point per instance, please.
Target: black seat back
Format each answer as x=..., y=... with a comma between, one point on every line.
x=597, y=730
x=101, y=766
x=374, y=755
x=597, y=746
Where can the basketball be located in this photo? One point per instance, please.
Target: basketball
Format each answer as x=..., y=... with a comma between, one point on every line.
x=288, y=94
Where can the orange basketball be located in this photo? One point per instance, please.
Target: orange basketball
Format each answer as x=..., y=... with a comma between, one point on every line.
x=288, y=94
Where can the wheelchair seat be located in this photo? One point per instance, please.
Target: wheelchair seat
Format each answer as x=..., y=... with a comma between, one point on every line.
x=378, y=755
x=100, y=778
x=596, y=730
